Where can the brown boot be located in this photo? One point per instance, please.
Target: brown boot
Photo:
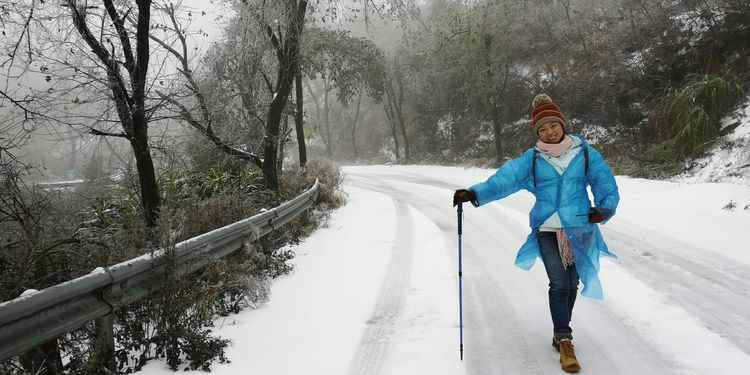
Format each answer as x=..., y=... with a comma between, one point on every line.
x=568, y=359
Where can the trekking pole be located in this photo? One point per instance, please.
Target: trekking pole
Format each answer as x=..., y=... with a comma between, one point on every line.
x=460, y=291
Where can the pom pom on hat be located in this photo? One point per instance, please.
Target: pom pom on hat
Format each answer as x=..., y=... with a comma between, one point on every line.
x=541, y=99
x=544, y=111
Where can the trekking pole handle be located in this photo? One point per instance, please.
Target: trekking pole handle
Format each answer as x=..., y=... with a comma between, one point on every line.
x=460, y=214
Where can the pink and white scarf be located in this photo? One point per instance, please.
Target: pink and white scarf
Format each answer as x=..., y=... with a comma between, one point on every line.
x=566, y=252
x=555, y=149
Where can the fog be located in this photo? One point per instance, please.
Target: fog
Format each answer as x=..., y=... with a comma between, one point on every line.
x=56, y=140
x=447, y=81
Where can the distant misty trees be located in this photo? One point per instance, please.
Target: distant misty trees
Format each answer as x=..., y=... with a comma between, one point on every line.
x=467, y=71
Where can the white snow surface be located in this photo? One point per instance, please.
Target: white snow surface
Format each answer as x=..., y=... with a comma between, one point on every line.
x=376, y=290
x=29, y=292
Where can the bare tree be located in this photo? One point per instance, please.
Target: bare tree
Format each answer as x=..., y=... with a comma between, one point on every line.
x=85, y=65
x=287, y=48
x=284, y=45
x=128, y=91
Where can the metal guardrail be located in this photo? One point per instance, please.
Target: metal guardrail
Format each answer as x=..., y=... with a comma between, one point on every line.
x=32, y=319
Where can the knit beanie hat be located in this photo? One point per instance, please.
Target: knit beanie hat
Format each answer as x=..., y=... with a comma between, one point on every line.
x=544, y=111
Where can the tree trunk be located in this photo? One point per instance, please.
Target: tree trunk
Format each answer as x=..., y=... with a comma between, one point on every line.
x=495, y=96
x=73, y=158
x=354, y=126
x=496, y=131
x=397, y=105
x=271, y=142
x=288, y=53
x=327, y=120
x=150, y=198
x=282, y=143
x=299, y=119
x=401, y=125
x=317, y=105
x=392, y=121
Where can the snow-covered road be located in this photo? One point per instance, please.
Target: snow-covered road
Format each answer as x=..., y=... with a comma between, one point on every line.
x=376, y=291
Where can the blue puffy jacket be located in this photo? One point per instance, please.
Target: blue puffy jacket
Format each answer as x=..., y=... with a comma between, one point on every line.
x=565, y=194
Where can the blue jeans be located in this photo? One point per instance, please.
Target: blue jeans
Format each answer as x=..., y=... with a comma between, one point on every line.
x=563, y=283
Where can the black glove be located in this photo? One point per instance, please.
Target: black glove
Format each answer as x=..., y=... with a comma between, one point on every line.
x=597, y=215
x=463, y=195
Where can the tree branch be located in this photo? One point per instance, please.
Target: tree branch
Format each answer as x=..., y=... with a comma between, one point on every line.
x=123, y=101
x=186, y=71
x=275, y=43
x=167, y=47
x=18, y=104
x=268, y=82
x=107, y=134
x=209, y=133
x=119, y=23
x=12, y=54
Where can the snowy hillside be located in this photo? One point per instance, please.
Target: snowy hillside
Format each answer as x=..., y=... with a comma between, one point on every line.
x=729, y=160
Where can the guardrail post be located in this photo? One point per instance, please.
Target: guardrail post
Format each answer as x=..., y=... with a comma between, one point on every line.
x=265, y=245
x=105, y=334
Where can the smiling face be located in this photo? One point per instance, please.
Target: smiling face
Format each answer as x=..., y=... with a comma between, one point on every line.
x=551, y=132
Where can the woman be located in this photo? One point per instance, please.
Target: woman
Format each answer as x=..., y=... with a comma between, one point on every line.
x=564, y=231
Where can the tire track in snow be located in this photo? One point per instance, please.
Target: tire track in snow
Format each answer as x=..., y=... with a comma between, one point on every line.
x=498, y=344
x=374, y=347
x=717, y=295
x=595, y=323
x=498, y=340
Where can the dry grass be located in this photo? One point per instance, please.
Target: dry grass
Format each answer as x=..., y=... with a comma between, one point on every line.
x=329, y=175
